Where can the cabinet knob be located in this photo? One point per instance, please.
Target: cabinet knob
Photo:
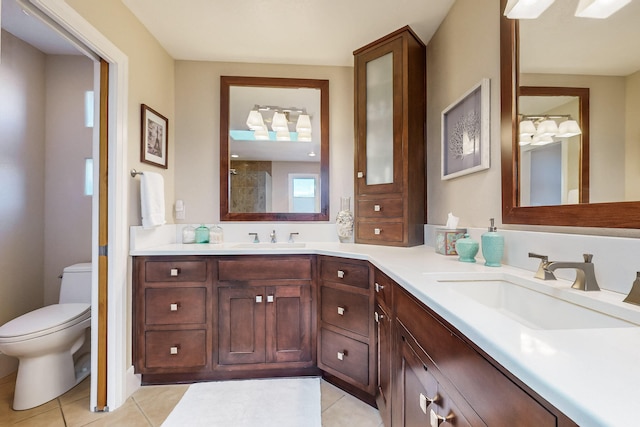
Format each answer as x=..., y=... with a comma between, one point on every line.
x=342, y=354
x=360, y=174
x=340, y=274
x=377, y=231
x=378, y=316
x=173, y=307
x=269, y=298
x=377, y=208
x=341, y=311
x=435, y=420
x=174, y=349
x=174, y=272
x=378, y=287
x=258, y=298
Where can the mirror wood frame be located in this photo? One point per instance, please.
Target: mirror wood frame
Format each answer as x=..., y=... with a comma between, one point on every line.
x=607, y=215
x=226, y=82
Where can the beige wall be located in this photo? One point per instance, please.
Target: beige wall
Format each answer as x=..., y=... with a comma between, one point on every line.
x=151, y=82
x=22, y=162
x=197, y=130
x=67, y=232
x=607, y=129
x=464, y=50
x=632, y=127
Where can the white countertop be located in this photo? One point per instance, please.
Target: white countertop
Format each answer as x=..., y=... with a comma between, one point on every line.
x=592, y=375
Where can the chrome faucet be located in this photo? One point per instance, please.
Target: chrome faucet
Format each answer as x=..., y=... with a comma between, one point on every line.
x=585, y=273
x=273, y=236
x=291, y=237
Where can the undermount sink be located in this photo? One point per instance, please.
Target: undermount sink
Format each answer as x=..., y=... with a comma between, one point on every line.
x=533, y=309
x=282, y=245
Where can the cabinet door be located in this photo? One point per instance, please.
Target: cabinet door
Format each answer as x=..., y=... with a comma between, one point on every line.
x=379, y=119
x=383, y=342
x=241, y=325
x=288, y=325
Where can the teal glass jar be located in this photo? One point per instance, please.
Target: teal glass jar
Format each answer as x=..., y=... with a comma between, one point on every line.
x=202, y=234
x=467, y=249
x=492, y=247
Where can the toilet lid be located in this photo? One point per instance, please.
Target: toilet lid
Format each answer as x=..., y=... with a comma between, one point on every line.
x=45, y=320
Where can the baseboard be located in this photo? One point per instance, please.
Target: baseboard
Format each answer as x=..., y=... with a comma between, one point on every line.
x=8, y=365
x=133, y=382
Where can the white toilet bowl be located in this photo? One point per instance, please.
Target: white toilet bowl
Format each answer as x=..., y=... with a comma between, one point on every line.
x=45, y=341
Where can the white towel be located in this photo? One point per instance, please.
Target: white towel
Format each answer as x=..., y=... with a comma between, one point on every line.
x=152, y=199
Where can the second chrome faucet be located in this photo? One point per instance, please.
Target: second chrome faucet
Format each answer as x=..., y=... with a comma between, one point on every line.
x=585, y=271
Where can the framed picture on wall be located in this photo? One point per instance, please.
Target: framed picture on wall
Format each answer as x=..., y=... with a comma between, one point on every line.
x=154, y=135
x=465, y=133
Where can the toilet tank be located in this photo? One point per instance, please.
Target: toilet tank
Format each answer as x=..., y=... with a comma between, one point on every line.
x=76, y=284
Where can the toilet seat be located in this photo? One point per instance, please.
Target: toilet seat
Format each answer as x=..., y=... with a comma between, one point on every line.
x=44, y=321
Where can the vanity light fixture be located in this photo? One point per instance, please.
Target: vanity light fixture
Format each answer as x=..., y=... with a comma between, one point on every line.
x=303, y=127
x=541, y=129
x=526, y=9
x=255, y=121
x=599, y=9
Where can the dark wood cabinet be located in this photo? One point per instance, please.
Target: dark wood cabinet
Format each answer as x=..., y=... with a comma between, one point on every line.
x=383, y=288
x=172, y=314
x=390, y=80
x=346, y=336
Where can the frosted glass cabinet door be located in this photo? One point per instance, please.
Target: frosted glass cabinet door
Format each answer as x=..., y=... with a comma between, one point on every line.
x=380, y=120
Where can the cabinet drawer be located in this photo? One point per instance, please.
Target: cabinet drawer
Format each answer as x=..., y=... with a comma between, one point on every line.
x=175, y=349
x=175, y=271
x=165, y=306
x=347, y=356
x=345, y=272
x=346, y=310
x=264, y=268
x=380, y=231
x=382, y=285
x=469, y=370
x=380, y=208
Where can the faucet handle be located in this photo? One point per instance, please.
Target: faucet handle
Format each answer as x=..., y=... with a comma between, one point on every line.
x=291, y=237
x=255, y=237
x=587, y=257
x=542, y=272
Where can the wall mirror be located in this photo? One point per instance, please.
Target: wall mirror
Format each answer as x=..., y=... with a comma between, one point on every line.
x=558, y=50
x=274, y=149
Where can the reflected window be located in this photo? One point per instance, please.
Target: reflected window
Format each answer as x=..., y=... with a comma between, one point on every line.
x=304, y=194
x=88, y=177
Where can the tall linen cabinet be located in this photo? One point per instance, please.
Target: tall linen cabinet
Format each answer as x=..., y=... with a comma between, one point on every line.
x=390, y=114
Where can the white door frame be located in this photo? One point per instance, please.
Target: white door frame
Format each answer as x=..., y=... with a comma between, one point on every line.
x=120, y=379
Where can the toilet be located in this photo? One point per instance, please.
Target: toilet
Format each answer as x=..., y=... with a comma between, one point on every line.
x=45, y=342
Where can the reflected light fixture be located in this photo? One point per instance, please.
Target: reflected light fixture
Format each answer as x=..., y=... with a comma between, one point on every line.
x=541, y=129
x=255, y=121
x=279, y=122
x=599, y=9
x=526, y=9
x=311, y=154
x=303, y=127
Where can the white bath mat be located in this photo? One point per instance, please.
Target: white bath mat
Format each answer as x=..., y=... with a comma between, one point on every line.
x=281, y=402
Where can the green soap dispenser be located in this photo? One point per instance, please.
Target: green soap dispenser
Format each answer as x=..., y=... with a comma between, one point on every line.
x=492, y=246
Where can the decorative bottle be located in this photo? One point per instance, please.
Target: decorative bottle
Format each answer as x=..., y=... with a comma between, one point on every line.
x=188, y=234
x=467, y=248
x=344, y=220
x=216, y=234
x=202, y=234
x=492, y=246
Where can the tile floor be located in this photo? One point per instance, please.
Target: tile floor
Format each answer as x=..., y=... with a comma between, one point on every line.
x=150, y=405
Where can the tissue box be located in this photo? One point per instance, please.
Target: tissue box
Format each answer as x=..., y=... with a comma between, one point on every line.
x=446, y=240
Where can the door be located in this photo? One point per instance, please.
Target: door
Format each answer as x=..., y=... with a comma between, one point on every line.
x=383, y=335
x=288, y=324
x=241, y=325
x=379, y=119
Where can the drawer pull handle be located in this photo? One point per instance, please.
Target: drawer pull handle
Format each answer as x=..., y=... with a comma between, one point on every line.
x=174, y=272
x=269, y=298
x=379, y=287
x=377, y=231
x=340, y=274
x=174, y=307
x=435, y=420
x=341, y=311
x=174, y=349
x=258, y=298
x=342, y=354
x=377, y=208
x=360, y=174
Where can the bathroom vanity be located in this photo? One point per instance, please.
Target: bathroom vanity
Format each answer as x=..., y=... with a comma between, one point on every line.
x=413, y=330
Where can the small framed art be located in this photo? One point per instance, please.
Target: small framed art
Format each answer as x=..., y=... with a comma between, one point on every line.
x=465, y=133
x=154, y=135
